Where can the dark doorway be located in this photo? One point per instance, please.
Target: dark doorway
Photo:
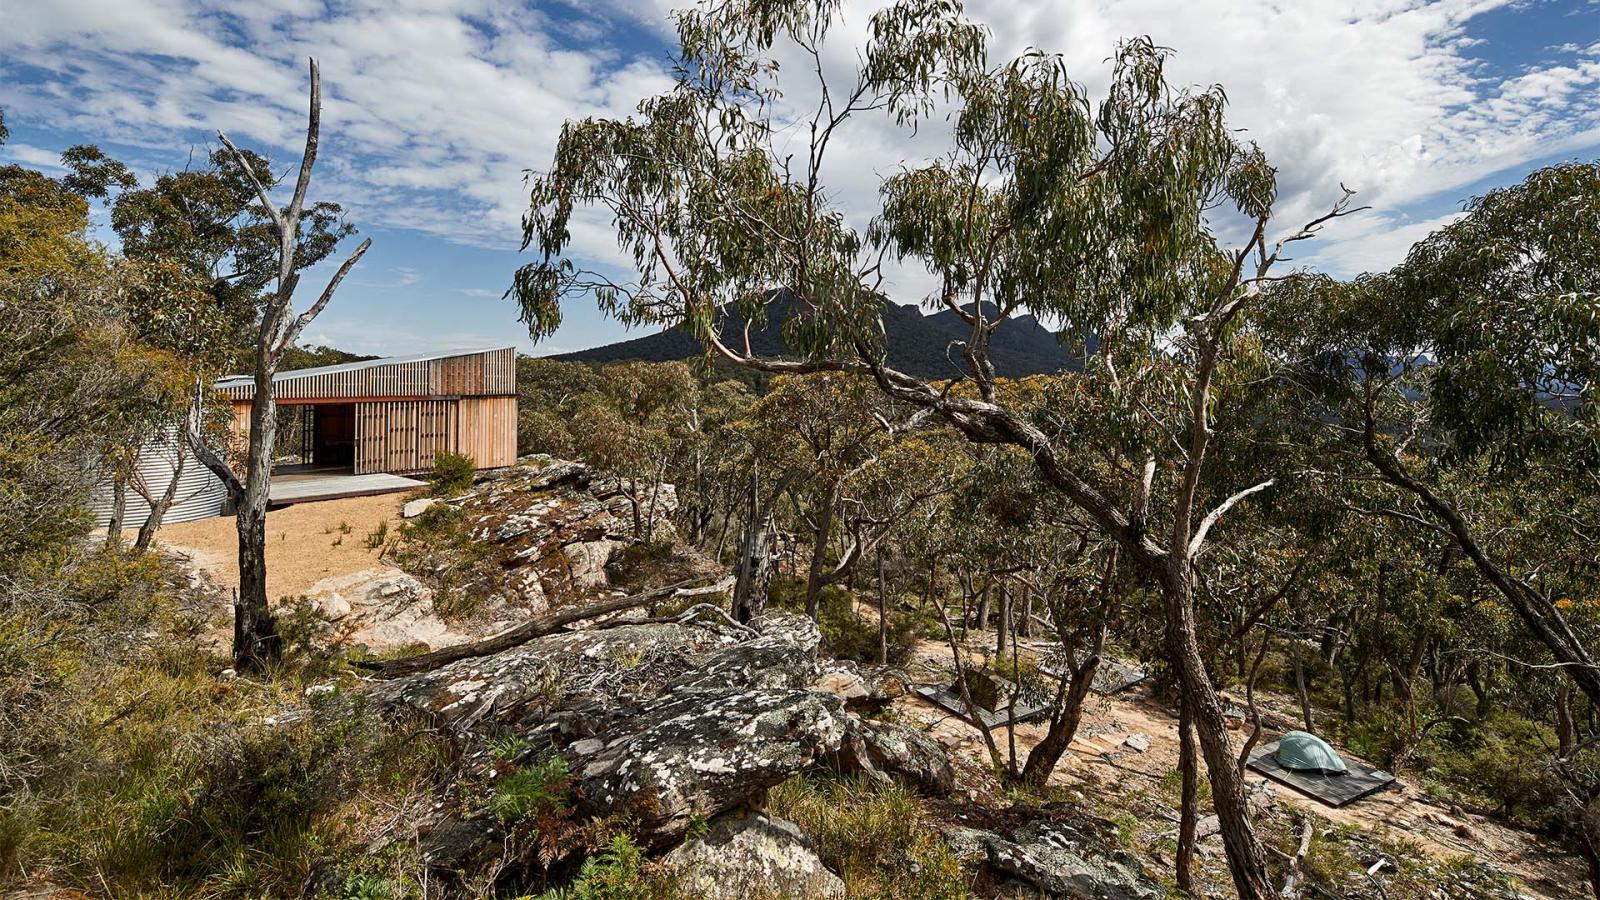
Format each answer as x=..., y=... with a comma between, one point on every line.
x=333, y=435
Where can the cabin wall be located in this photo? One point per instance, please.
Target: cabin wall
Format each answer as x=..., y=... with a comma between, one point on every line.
x=488, y=431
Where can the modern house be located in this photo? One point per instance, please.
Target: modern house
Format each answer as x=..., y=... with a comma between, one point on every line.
x=360, y=425
x=396, y=415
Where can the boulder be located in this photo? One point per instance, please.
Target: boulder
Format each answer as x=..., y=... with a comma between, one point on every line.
x=703, y=754
x=882, y=750
x=862, y=687
x=381, y=608
x=564, y=686
x=663, y=723
x=745, y=854
x=417, y=507
x=1057, y=860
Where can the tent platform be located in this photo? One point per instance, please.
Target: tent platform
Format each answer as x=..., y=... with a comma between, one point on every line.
x=306, y=488
x=1360, y=781
x=1112, y=676
x=947, y=698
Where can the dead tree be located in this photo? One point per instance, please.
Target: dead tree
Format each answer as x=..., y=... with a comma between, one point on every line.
x=255, y=637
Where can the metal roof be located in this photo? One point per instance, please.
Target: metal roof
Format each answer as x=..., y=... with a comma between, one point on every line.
x=228, y=381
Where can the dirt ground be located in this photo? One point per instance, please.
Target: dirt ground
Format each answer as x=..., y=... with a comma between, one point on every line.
x=306, y=542
x=1099, y=759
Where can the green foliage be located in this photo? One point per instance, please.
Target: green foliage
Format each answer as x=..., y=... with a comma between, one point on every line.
x=452, y=473
x=618, y=872
x=881, y=840
x=133, y=768
x=539, y=788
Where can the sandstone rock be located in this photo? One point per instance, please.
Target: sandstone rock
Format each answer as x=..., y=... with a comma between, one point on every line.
x=417, y=507
x=564, y=686
x=662, y=723
x=1059, y=861
x=881, y=750
x=861, y=687
x=702, y=754
x=382, y=608
x=748, y=854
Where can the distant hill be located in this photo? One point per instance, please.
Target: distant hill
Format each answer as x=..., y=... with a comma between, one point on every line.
x=918, y=345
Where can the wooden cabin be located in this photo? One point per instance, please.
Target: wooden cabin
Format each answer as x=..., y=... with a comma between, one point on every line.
x=397, y=414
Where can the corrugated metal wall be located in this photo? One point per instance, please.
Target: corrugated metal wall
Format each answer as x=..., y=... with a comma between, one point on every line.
x=200, y=493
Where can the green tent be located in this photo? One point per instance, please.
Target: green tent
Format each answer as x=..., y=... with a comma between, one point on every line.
x=1304, y=752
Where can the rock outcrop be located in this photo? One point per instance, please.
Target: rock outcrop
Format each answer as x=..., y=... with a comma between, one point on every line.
x=560, y=520
x=540, y=533
x=665, y=722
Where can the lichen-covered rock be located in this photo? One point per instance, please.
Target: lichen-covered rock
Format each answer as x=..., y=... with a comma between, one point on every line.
x=663, y=723
x=566, y=686
x=1056, y=860
x=707, y=752
x=747, y=854
x=781, y=654
x=884, y=750
x=541, y=532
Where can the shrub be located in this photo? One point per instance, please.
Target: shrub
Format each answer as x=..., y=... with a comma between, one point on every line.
x=618, y=872
x=452, y=473
x=539, y=788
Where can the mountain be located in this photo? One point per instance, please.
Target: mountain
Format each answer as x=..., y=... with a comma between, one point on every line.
x=918, y=345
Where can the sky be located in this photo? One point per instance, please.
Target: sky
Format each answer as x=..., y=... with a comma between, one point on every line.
x=435, y=109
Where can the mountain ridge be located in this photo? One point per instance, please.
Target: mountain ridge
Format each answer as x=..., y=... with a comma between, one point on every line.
x=925, y=346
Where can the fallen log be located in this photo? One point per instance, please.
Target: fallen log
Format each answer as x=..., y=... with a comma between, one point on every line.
x=539, y=627
x=1308, y=830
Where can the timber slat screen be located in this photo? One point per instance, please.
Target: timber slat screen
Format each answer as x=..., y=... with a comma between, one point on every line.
x=491, y=373
x=406, y=411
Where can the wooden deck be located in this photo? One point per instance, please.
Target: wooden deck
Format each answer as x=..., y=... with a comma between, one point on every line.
x=305, y=488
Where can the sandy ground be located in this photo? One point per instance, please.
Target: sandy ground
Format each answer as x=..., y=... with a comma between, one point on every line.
x=306, y=542
x=1099, y=757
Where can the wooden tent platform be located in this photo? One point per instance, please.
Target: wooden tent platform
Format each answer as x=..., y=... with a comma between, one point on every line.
x=946, y=697
x=309, y=487
x=1360, y=781
x=1112, y=676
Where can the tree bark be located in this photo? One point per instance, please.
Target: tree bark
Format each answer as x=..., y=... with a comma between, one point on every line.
x=256, y=644
x=1188, y=796
x=1067, y=713
x=160, y=506
x=119, y=511
x=1246, y=857
x=1300, y=685
x=753, y=573
x=819, y=555
x=883, y=613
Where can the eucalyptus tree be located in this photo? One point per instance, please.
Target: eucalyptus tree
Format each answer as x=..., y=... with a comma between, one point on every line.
x=256, y=643
x=1097, y=215
x=1465, y=380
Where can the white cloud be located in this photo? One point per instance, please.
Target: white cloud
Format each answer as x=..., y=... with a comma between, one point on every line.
x=35, y=157
x=435, y=107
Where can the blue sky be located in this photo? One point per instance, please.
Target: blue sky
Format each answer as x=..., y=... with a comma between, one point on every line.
x=435, y=107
